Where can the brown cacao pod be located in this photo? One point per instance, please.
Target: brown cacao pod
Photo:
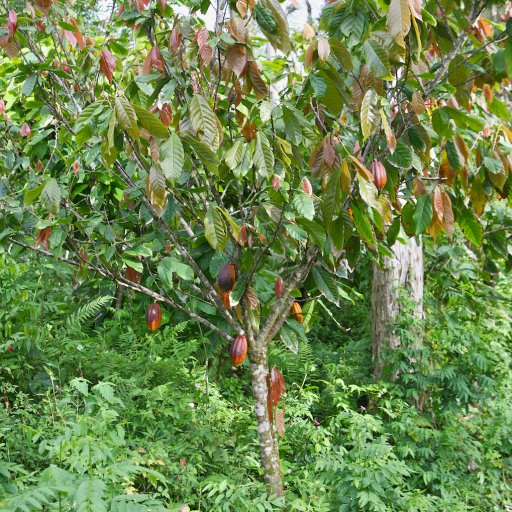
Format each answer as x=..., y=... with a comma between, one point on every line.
x=227, y=277
x=154, y=317
x=278, y=287
x=238, y=350
x=296, y=312
x=379, y=175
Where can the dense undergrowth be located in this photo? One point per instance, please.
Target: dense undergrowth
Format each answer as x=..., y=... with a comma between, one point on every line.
x=98, y=415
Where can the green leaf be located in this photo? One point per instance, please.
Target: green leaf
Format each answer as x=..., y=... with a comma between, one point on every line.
x=263, y=156
x=369, y=112
x=169, y=266
x=402, y=157
x=304, y=205
x=51, y=196
x=234, y=226
x=368, y=191
x=341, y=54
x=204, y=121
x=126, y=116
x=332, y=200
x=203, y=152
x=152, y=124
x=215, y=229
x=326, y=284
x=455, y=159
x=172, y=158
x=29, y=85
x=85, y=125
x=470, y=226
x=289, y=337
x=363, y=226
x=378, y=60
x=292, y=127
x=422, y=214
x=233, y=156
x=32, y=194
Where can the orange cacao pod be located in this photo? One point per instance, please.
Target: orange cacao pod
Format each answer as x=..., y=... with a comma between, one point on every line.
x=226, y=299
x=154, y=317
x=296, y=312
x=379, y=175
x=238, y=350
x=227, y=277
x=278, y=287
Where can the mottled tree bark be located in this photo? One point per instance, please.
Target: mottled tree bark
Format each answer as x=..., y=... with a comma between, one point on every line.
x=267, y=436
x=401, y=272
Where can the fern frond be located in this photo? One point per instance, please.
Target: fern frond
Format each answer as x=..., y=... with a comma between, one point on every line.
x=87, y=312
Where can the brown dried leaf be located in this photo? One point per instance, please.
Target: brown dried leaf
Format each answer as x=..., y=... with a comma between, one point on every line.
x=448, y=214
x=236, y=59
x=438, y=203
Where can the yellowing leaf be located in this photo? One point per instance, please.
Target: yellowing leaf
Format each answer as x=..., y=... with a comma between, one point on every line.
x=155, y=190
x=399, y=20
x=369, y=113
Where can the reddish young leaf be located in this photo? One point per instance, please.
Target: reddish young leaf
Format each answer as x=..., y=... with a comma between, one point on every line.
x=236, y=59
x=70, y=36
x=155, y=60
x=12, y=23
x=107, y=64
x=306, y=186
x=43, y=5
x=166, y=114
x=205, y=50
x=175, y=39
x=25, y=130
x=43, y=237
x=78, y=35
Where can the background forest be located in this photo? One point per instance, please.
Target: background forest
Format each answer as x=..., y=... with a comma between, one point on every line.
x=252, y=267
x=101, y=413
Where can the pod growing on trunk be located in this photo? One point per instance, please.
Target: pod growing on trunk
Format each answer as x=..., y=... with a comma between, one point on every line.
x=238, y=350
x=296, y=312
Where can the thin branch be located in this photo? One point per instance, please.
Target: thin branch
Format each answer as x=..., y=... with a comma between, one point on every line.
x=126, y=283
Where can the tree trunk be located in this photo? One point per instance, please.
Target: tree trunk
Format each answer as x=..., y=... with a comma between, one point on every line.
x=403, y=270
x=267, y=438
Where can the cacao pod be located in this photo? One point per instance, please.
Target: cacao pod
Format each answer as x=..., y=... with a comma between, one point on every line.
x=296, y=312
x=227, y=277
x=226, y=299
x=278, y=287
x=379, y=175
x=238, y=350
x=154, y=317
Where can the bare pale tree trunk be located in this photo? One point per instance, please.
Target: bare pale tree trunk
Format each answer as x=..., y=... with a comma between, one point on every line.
x=267, y=435
x=401, y=272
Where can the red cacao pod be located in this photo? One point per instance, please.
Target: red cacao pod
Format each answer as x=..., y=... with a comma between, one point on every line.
x=379, y=175
x=154, y=317
x=296, y=312
x=238, y=350
x=278, y=287
x=10, y=347
x=227, y=277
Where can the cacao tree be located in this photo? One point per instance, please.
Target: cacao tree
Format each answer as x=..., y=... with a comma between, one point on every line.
x=146, y=148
